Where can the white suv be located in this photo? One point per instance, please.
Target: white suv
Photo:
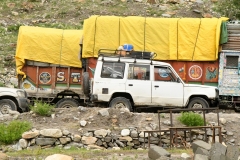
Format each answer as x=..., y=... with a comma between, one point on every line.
x=13, y=99
x=138, y=82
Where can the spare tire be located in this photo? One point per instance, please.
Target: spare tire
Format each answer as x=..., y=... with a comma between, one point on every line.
x=86, y=83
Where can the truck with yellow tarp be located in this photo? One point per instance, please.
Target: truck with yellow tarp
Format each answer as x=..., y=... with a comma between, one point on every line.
x=51, y=68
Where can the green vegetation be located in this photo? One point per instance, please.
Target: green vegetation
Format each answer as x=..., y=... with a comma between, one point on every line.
x=13, y=131
x=78, y=152
x=42, y=109
x=229, y=8
x=191, y=119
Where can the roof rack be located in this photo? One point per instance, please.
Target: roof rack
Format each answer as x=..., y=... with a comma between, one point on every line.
x=131, y=54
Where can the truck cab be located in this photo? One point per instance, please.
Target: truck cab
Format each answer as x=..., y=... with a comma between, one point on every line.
x=137, y=80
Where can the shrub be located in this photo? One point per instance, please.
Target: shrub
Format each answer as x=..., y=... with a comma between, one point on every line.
x=42, y=109
x=13, y=131
x=191, y=119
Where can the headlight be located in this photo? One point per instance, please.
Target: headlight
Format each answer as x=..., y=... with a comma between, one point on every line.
x=21, y=94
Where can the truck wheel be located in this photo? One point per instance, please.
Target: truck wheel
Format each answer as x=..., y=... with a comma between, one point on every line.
x=86, y=85
x=6, y=104
x=67, y=103
x=198, y=102
x=121, y=102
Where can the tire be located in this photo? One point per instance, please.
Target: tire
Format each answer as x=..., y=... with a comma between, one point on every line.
x=67, y=103
x=6, y=104
x=86, y=84
x=121, y=102
x=198, y=102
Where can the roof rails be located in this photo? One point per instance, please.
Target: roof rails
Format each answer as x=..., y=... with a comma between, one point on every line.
x=131, y=54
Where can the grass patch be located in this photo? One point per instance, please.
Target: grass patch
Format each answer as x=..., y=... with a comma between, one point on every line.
x=13, y=131
x=42, y=109
x=77, y=152
x=191, y=119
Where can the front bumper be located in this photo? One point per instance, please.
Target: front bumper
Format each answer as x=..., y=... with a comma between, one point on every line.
x=24, y=104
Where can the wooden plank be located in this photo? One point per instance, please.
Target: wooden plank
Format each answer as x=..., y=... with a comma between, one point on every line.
x=230, y=31
x=233, y=26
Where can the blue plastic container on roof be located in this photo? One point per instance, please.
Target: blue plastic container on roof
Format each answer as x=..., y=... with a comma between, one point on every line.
x=128, y=47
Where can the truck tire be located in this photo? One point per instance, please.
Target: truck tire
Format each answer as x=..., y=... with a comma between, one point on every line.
x=67, y=103
x=121, y=102
x=6, y=104
x=198, y=102
x=86, y=83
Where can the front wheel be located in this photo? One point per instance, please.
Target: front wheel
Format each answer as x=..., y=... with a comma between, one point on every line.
x=67, y=103
x=121, y=102
x=198, y=102
x=6, y=105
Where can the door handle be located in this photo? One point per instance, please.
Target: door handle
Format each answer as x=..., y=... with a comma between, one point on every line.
x=156, y=86
x=130, y=84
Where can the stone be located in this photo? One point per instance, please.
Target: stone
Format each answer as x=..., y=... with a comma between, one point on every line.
x=3, y=156
x=64, y=140
x=126, y=138
x=76, y=138
x=45, y=141
x=92, y=146
x=65, y=132
x=59, y=157
x=167, y=122
x=54, y=133
x=83, y=123
x=202, y=151
x=125, y=132
x=120, y=144
x=76, y=145
x=103, y=112
x=202, y=144
x=89, y=140
x=116, y=148
x=185, y=156
x=222, y=121
x=229, y=133
x=156, y=152
x=232, y=152
x=134, y=134
x=30, y=134
x=107, y=139
x=217, y=150
x=23, y=143
x=200, y=157
x=142, y=134
x=102, y=132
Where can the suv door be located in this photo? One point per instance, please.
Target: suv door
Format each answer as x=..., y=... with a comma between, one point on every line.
x=138, y=84
x=166, y=90
x=110, y=80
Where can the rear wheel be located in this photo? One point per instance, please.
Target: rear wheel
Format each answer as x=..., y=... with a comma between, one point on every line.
x=198, y=102
x=6, y=105
x=121, y=102
x=67, y=103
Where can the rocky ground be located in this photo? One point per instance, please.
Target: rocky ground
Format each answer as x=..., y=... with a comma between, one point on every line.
x=81, y=120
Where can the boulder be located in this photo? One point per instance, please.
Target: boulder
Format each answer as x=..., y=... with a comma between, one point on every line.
x=59, y=157
x=54, y=133
x=30, y=134
x=156, y=152
x=89, y=140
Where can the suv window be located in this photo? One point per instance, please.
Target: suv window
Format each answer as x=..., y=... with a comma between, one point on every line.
x=113, y=70
x=140, y=72
x=164, y=74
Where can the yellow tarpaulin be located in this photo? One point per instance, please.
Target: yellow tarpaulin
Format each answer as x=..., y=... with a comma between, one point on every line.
x=48, y=45
x=190, y=39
